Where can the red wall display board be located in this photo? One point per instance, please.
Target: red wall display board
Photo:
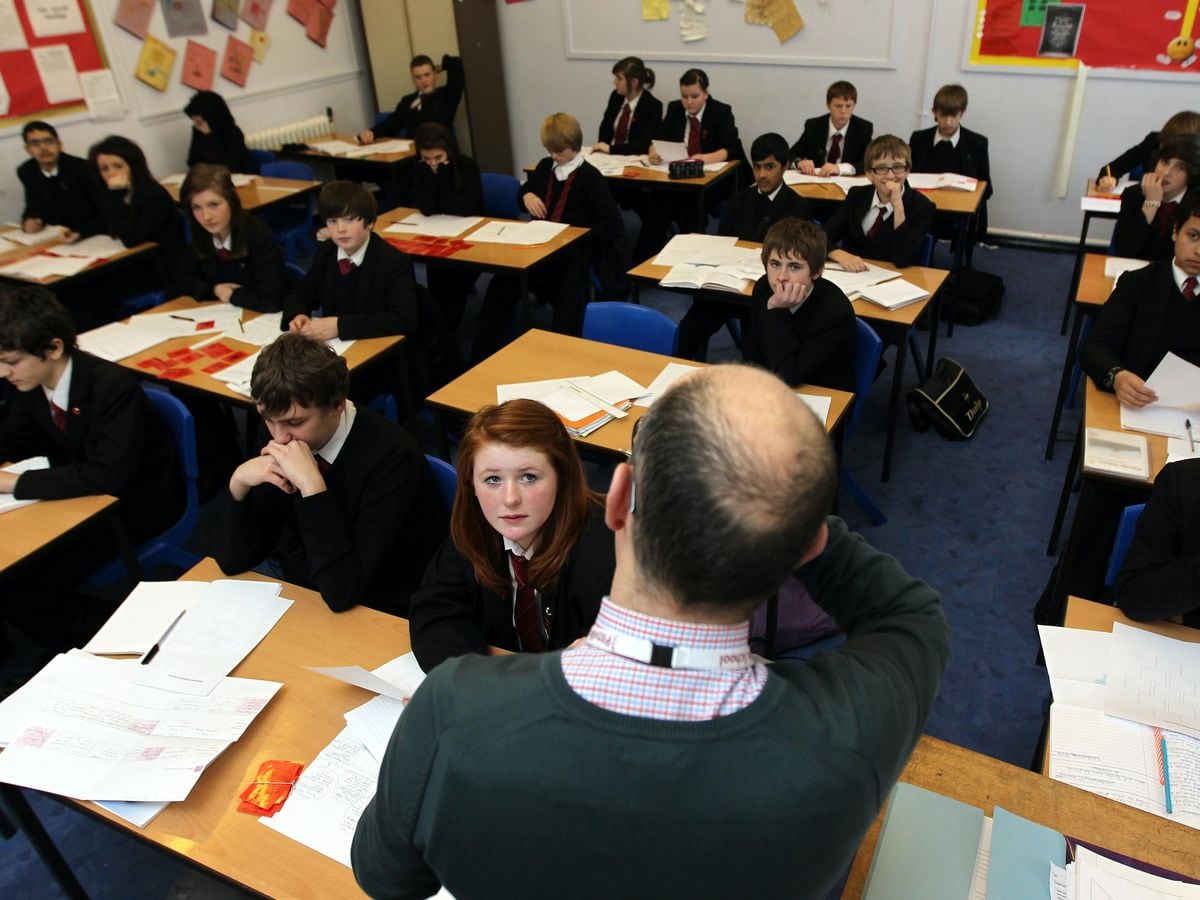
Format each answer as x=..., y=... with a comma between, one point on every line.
x=1153, y=35
x=22, y=78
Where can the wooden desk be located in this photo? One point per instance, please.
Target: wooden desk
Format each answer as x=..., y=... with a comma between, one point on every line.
x=986, y=783
x=1091, y=292
x=1081, y=248
x=303, y=717
x=1092, y=616
x=361, y=353
x=514, y=259
x=262, y=192
x=895, y=325
x=381, y=165
x=27, y=531
x=537, y=355
x=126, y=256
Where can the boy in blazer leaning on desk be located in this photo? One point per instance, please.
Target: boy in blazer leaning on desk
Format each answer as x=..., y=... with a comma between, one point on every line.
x=834, y=144
x=339, y=499
x=1147, y=217
x=885, y=220
x=60, y=189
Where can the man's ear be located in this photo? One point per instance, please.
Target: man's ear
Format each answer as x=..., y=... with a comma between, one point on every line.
x=620, y=498
x=57, y=349
x=817, y=546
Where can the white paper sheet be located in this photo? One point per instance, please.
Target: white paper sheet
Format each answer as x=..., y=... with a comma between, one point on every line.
x=261, y=330
x=217, y=632
x=101, y=95
x=40, y=267
x=329, y=798
x=614, y=163
x=845, y=182
x=671, y=373
x=374, y=721
x=12, y=35
x=1077, y=664
x=525, y=234
x=576, y=398
x=434, y=226
x=929, y=181
x=30, y=239
x=98, y=246
x=670, y=151
x=7, y=502
x=7, y=245
x=5, y=98
x=893, y=294
x=707, y=249
x=1100, y=204
x=1100, y=878
x=1177, y=383
x=360, y=677
x=818, y=404
x=56, y=67
x=137, y=813
x=51, y=18
x=116, y=340
x=334, y=148
x=1154, y=680
x=144, y=617
x=1116, y=266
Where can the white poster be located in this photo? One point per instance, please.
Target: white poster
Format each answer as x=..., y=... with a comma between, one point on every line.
x=101, y=94
x=12, y=35
x=56, y=67
x=4, y=98
x=51, y=18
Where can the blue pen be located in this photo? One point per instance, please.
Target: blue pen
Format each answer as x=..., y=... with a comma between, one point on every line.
x=1166, y=774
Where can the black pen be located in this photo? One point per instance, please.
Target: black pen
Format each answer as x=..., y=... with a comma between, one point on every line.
x=158, y=644
x=183, y=318
x=1191, y=442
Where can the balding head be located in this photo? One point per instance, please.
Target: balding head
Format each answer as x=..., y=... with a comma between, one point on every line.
x=734, y=476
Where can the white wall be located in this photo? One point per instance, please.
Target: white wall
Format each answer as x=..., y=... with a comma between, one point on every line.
x=1023, y=115
x=164, y=137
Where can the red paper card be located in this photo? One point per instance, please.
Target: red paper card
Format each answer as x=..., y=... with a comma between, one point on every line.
x=184, y=356
x=134, y=16
x=176, y=373
x=270, y=788
x=216, y=367
x=205, y=326
x=235, y=356
x=319, y=20
x=254, y=13
x=300, y=9
x=216, y=350
x=238, y=58
x=154, y=363
x=199, y=64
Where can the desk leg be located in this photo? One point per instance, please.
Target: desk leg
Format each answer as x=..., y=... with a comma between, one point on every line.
x=124, y=545
x=1058, y=597
x=1076, y=272
x=935, y=316
x=894, y=405
x=28, y=821
x=523, y=282
x=1065, y=496
x=701, y=217
x=439, y=426
x=1064, y=382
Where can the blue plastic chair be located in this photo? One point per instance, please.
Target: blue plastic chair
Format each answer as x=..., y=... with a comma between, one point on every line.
x=868, y=347
x=386, y=406
x=500, y=196
x=168, y=546
x=630, y=325
x=380, y=117
x=1129, y=517
x=292, y=223
x=294, y=273
x=262, y=157
x=447, y=478
x=142, y=302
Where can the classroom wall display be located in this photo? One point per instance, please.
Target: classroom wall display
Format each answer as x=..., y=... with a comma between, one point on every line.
x=850, y=33
x=1149, y=35
x=44, y=45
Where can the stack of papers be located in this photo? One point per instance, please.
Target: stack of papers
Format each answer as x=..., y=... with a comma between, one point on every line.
x=613, y=163
x=40, y=267
x=584, y=403
x=852, y=283
x=845, y=182
x=525, y=234
x=7, y=502
x=1100, y=204
x=892, y=294
x=49, y=233
x=932, y=181
x=1177, y=383
x=670, y=374
x=708, y=250
x=1116, y=266
x=119, y=340
x=736, y=278
x=435, y=226
x=98, y=246
x=359, y=151
x=7, y=245
x=1116, y=453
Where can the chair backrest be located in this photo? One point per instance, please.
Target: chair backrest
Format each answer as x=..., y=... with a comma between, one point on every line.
x=1129, y=517
x=925, y=257
x=294, y=273
x=262, y=157
x=500, y=195
x=447, y=479
x=381, y=117
x=630, y=325
x=183, y=430
x=868, y=347
x=287, y=169
x=386, y=406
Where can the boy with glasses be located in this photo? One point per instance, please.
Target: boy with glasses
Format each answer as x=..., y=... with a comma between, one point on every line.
x=886, y=220
x=60, y=189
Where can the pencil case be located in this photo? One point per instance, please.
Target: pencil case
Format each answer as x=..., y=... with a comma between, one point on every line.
x=685, y=168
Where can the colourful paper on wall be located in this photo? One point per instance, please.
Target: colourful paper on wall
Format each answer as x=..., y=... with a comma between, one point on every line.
x=134, y=16
x=328, y=4
x=260, y=41
x=155, y=63
x=319, y=20
x=255, y=12
x=235, y=66
x=300, y=10
x=784, y=18
x=655, y=10
x=199, y=66
x=225, y=12
x=184, y=18
x=756, y=12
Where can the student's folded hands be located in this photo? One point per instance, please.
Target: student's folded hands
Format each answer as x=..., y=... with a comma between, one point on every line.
x=297, y=465
x=536, y=207
x=262, y=469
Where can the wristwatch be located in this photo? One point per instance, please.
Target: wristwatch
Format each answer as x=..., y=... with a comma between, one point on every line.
x=1111, y=375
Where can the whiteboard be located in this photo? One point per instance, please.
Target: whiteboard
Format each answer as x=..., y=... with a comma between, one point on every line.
x=292, y=60
x=851, y=33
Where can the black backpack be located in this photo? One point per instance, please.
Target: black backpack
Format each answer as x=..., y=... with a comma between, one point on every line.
x=972, y=297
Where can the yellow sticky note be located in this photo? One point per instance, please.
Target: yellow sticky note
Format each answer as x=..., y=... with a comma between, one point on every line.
x=655, y=10
x=259, y=41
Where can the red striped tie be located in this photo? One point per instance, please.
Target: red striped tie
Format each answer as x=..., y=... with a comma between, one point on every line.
x=623, y=125
x=525, y=612
x=60, y=415
x=1189, y=288
x=878, y=223
x=693, y=143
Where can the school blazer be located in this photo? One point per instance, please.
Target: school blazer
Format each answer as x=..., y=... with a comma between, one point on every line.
x=811, y=143
x=647, y=116
x=453, y=614
x=383, y=300
x=972, y=154
x=739, y=218
x=718, y=130
x=151, y=215
x=1131, y=329
x=73, y=198
x=441, y=105
x=114, y=443
x=1144, y=154
x=1135, y=237
x=899, y=246
x=260, y=272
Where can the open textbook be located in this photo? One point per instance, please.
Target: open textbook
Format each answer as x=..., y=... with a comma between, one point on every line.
x=583, y=402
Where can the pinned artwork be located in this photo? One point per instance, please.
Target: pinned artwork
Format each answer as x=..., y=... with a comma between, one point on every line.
x=184, y=18
x=225, y=13
x=319, y=20
x=199, y=66
x=236, y=65
x=260, y=41
x=134, y=16
x=155, y=63
x=300, y=10
x=255, y=12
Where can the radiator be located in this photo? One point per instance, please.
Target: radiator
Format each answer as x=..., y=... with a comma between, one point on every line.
x=299, y=132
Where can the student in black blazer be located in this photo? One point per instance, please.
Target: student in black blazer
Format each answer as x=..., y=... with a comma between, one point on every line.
x=427, y=103
x=562, y=188
x=630, y=133
x=529, y=556
x=136, y=207
x=1147, y=316
x=801, y=326
x=1145, y=154
x=340, y=499
x=1147, y=215
x=60, y=189
x=233, y=257
x=816, y=152
x=746, y=216
x=364, y=285
x=885, y=220
x=216, y=138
